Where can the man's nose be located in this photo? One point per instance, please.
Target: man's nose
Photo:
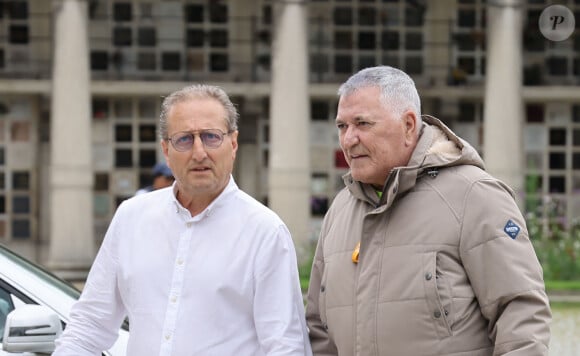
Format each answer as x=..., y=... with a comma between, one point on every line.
x=350, y=137
x=198, y=151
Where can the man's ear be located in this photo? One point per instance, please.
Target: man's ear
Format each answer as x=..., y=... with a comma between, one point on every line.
x=411, y=127
x=165, y=149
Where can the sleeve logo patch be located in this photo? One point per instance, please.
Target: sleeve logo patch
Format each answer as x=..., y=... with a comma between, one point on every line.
x=511, y=229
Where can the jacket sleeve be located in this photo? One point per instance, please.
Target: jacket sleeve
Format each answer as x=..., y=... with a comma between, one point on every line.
x=321, y=343
x=504, y=271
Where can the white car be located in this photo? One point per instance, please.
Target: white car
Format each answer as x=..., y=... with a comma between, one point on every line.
x=34, y=308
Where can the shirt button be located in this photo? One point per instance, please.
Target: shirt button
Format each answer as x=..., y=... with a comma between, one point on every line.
x=167, y=337
x=437, y=314
x=173, y=299
x=428, y=276
x=322, y=288
x=189, y=224
x=180, y=261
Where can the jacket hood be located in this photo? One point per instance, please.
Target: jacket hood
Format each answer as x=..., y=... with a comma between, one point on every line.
x=438, y=147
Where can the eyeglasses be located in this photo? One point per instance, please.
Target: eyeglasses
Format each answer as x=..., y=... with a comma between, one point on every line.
x=183, y=141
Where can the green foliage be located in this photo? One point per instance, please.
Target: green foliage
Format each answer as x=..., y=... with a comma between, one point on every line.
x=557, y=285
x=556, y=242
x=305, y=267
x=559, y=254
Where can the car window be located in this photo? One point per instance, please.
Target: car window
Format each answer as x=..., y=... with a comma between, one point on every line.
x=6, y=306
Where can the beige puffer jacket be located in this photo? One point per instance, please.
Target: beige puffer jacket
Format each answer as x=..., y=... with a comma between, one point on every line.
x=445, y=268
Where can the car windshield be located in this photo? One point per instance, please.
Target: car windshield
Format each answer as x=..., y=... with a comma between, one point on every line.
x=42, y=273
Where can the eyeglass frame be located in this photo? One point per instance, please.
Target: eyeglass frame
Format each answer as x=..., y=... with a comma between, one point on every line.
x=222, y=134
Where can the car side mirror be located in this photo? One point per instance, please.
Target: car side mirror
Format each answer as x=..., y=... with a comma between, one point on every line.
x=31, y=328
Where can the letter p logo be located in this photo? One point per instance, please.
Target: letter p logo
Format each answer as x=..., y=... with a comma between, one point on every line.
x=557, y=22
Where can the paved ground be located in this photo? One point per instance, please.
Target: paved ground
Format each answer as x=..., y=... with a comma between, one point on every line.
x=564, y=297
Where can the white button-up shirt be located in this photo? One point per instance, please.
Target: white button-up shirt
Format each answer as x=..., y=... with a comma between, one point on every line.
x=224, y=282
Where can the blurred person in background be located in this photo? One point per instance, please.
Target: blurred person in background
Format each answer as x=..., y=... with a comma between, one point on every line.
x=423, y=252
x=200, y=268
x=162, y=177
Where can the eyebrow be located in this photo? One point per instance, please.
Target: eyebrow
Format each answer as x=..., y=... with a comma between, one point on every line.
x=356, y=119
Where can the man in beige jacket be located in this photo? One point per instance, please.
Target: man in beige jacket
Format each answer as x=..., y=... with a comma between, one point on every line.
x=423, y=252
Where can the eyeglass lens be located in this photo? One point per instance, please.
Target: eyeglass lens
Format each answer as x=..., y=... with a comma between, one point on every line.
x=183, y=141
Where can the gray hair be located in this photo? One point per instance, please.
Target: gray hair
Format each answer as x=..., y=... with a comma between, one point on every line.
x=397, y=88
x=197, y=91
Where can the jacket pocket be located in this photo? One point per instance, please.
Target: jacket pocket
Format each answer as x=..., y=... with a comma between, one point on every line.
x=437, y=295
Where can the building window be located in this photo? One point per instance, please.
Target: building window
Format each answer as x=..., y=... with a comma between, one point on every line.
x=557, y=66
x=123, y=133
x=218, y=13
x=465, y=41
x=195, y=38
x=122, y=11
x=557, y=160
x=21, y=181
x=194, y=13
x=390, y=40
x=19, y=34
x=147, y=133
x=147, y=158
x=367, y=16
x=413, y=41
x=343, y=16
x=122, y=36
x=99, y=60
x=366, y=40
x=319, y=110
x=146, y=61
x=147, y=37
x=366, y=61
x=466, y=64
x=558, y=137
x=171, y=61
x=123, y=158
x=466, y=18
x=414, y=16
x=342, y=64
x=218, y=38
x=21, y=204
x=414, y=65
x=18, y=10
x=219, y=62
x=466, y=112
x=101, y=182
x=557, y=184
x=21, y=228
x=343, y=40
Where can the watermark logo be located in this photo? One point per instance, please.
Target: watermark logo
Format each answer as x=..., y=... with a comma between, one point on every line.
x=557, y=22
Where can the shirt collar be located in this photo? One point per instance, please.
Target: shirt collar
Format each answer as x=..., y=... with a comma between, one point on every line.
x=230, y=188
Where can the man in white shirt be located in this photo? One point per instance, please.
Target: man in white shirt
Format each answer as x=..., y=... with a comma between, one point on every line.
x=199, y=268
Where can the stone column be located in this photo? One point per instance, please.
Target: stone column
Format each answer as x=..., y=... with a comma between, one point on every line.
x=71, y=215
x=504, y=108
x=438, y=20
x=289, y=165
